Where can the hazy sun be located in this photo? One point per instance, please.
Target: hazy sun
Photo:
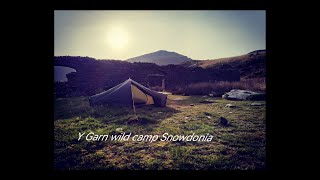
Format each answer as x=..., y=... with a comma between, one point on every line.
x=117, y=38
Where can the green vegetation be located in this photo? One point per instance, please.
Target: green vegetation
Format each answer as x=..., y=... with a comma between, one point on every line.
x=238, y=146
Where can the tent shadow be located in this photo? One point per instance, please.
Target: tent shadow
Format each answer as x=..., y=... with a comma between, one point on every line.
x=150, y=114
x=71, y=108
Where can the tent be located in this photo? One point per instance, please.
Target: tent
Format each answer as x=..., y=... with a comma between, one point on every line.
x=129, y=93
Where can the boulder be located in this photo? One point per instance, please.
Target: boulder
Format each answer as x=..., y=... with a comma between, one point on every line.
x=237, y=94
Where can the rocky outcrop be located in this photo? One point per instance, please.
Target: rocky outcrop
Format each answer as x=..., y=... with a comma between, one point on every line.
x=237, y=94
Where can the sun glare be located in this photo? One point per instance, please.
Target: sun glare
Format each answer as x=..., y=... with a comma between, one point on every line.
x=117, y=38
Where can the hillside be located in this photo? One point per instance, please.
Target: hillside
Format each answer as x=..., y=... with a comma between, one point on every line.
x=161, y=58
x=93, y=76
x=251, y=65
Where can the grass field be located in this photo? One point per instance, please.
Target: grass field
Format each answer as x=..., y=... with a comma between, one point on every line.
x=241, y=145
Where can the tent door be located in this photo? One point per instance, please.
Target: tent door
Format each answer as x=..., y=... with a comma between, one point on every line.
x=140, y=97
x=149, y=100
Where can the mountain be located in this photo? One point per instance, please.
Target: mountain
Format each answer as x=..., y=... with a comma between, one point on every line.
x=251, y=65
x=161, y=58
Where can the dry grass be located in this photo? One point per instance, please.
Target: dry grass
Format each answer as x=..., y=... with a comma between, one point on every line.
x=240, y=146
x=157, y=88
x=211, y=63
x=219, y=88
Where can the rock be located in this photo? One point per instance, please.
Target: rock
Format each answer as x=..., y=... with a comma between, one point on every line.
x=191, y=104
x=207, y=101
x=223, y=121
x=119, y=130
x=215, y=94
x=225, y=96
x=230, y=106
x=83, y=151
x=132, y=120
x=209, y=117
x=256, y=104
x=237, y=94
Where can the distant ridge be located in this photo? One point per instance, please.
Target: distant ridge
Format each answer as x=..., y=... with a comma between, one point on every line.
x=250, y=65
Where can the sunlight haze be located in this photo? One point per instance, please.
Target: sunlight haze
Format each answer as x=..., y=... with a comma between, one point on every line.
x=120, y=35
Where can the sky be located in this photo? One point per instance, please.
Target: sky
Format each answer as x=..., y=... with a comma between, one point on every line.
x=121, y=35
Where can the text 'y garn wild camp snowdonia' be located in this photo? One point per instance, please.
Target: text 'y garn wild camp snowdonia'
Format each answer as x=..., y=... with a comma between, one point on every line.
x=91, y=136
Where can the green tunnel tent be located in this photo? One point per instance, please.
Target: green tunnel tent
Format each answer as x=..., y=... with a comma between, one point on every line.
x=128, y=93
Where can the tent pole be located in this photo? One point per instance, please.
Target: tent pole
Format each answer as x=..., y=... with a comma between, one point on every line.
x=134, y=108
